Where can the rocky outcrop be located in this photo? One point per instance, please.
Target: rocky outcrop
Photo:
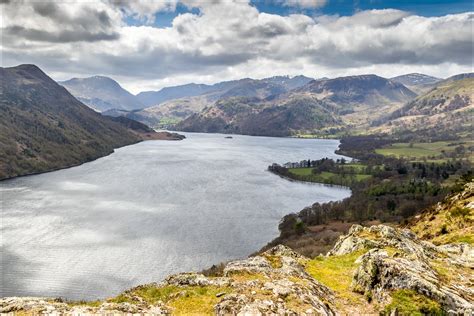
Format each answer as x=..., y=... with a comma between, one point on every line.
x=278, y=282
x=286, y=286
x=397, y=259
x=47, y=306
x=274, y=282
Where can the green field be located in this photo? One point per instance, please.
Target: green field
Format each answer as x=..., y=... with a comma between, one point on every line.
x=301, y=171
x=166, y=122
x=435, y=150
x=331, y=177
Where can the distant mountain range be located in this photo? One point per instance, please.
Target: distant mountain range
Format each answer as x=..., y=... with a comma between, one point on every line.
x=244, y=87
x=416, y=82
x=43, y=127
x=326, y=106
x=415, y=79
x=102, y=93
x=283, y=105
x=178, y=103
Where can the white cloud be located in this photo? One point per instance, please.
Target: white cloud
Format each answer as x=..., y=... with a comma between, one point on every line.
x=228, y=40
x=311, y=4
x=145, y=10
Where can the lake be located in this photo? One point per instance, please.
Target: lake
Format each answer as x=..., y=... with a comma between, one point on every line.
x=149, y=210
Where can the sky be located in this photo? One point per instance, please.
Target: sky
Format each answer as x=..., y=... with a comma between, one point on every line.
x=148, y=45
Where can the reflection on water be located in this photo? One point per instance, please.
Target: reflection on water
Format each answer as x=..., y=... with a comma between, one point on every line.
x=149, y=210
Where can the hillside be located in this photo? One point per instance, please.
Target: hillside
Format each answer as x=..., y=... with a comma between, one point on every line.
x=459, y=77
x=449, y=222
x=419, y=83
x=355, y=90
x=150, y=98
x=174, y=104
x=319, y=107
x=448, y=107
x=102, y=93
x=253, y=117
x=43, y=127
x=242, y=88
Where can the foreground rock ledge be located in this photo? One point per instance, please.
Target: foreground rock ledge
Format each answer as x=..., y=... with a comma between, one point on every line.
x=277, y=282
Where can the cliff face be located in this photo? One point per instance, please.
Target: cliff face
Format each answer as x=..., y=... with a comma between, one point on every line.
x=371, y=270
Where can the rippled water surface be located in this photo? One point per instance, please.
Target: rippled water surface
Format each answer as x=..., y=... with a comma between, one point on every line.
x=149, y=210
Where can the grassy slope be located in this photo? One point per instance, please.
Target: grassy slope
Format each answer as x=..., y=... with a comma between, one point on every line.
x=198, y=300
x=43, y=127
x=447, y=107
x=448, y=222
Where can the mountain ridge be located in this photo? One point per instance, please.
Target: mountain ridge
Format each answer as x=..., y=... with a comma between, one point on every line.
x=44, y=128
x=320, y=105
x=102, y=93
x=152, y=98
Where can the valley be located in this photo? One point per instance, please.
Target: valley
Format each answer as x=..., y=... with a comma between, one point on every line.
x=304, y=107
x=237, y=157
x=400, y=153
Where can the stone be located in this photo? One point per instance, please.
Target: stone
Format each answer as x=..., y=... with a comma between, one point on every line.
x=187, y=279
x=255, y=264
x=380, y=274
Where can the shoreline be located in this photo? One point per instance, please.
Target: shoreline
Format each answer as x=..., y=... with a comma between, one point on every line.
x=144, y=138
x=255, y=250
x=312, y=182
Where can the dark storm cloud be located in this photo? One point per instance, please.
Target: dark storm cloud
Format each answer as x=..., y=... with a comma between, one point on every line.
x=64, y=36
x=57, y=23
x=88, y=17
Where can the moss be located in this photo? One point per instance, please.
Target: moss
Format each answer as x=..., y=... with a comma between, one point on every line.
x=242, y=276
x=197, y=300
x=275, y=261
x=391, y=251
x=369, y=235
x=336, y=273
x=85, y=303
x=454, y=238
x=450, y=273
x=409, y=302
x=295, y=304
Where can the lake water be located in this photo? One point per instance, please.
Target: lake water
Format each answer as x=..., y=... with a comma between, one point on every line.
x=149, y=210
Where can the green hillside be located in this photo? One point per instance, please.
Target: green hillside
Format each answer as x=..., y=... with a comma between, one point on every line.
x=43, y=127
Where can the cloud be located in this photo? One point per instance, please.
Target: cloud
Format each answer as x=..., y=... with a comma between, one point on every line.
x=227, y=40
x=59, y=22
x=57, y=37
x=144, y=10
x=304, y=4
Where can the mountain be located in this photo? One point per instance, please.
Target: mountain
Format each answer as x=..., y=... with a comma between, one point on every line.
x=102, y=93
x=172, y=105
x=446, y=107
x=318, y=107
x=150, y=98
x=368, y=90
x=252, y=117
x=43, y=127
x=459, y=77
x=243, y=88
x=417, y=82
